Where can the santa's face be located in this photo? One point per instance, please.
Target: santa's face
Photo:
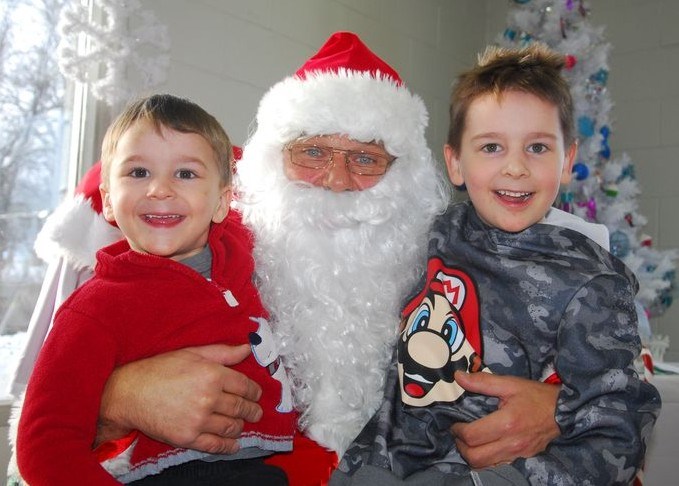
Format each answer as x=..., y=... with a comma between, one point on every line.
x=333, y=265
x=336, y=175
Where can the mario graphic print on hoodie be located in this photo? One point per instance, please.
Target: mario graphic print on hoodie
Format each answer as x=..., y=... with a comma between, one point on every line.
x=440, y=335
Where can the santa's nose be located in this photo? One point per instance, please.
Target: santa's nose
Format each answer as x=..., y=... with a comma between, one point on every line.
x=337, y=177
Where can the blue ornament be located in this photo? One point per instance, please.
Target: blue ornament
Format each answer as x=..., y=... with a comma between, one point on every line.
x=665, y=300
x=666, y=295
x=510, y=34
x=620, y=245
x=581, y=171
x=521, y=1
x=601, y=77
x=605, y=151
x=605, y=132
x=566, y=202
x=586, y=126
x=627, y=173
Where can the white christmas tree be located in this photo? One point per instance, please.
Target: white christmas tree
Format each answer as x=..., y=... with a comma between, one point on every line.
x=604, y=188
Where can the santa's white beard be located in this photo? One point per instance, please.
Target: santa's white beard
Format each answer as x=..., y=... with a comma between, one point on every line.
x=333, y=270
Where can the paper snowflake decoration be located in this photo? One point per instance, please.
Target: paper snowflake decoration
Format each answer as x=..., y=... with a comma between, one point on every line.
x=119, y=50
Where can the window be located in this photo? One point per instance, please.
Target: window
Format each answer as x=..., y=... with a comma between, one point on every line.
x=35, y=120
x=50, y=128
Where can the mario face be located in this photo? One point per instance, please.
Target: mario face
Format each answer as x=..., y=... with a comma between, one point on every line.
x=437, y=340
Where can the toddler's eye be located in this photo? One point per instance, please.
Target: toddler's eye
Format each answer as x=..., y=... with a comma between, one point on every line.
x=186, y=174
x=139, y=172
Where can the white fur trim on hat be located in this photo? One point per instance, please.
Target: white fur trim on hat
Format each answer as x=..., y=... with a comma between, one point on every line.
x=351, y=103
x=75, y=231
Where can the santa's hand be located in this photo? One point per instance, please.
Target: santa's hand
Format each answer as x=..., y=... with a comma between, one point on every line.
x=523, y=425
x=188, y=398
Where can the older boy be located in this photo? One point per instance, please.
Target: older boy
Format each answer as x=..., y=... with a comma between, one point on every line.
x=509, y=292
x=182, y=277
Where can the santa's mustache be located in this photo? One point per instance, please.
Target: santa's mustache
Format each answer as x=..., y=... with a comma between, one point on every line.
x=317, y=207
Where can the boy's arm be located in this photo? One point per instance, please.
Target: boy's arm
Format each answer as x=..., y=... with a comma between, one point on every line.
x=522, y=426
x=58, y=418
x=188, y=398
x=605, y=411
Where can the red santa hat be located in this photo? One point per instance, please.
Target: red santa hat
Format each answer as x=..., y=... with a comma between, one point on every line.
x=344, y=50
x=345, y=88
x=77, y=229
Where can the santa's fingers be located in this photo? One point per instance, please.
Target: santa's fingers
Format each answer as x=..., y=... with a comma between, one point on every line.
x=231, y=407
x=215, y=444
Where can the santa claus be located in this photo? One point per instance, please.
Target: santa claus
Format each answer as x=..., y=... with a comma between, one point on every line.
x=337, y=247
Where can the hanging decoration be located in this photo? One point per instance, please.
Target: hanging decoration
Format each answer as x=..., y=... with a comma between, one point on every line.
x=118, y=48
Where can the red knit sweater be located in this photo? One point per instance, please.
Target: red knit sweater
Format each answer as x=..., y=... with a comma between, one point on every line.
x=137, y=306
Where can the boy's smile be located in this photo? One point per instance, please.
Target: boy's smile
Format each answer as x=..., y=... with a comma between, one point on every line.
x=512, y=158
x=164, y=190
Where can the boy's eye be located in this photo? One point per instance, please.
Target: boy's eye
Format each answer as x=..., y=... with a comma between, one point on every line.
x=537, y=148
x=490, y=148
x=139, y=172
x=186, y=174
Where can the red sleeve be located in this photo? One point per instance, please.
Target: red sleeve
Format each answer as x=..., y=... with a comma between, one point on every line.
x=59, y=416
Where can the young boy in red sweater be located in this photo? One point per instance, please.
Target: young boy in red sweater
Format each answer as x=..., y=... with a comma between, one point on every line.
x=182, y=277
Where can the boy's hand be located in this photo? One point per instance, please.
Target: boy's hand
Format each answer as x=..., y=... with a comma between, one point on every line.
x=523, y=425
x=188, y=398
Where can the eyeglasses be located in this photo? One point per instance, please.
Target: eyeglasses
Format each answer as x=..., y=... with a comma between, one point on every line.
x=357, y=162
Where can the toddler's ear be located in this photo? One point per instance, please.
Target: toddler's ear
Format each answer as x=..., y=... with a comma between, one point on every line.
x=453, y=165
x=223, y=205
x=106, y=208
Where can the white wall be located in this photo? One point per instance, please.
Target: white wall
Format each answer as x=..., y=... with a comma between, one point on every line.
x=226, y=53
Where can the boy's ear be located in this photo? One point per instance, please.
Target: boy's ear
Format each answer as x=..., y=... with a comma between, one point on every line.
x=107, y=209
x=569, y=160
x=223, y=205
x=453, y=165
